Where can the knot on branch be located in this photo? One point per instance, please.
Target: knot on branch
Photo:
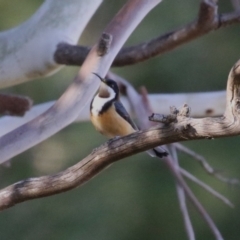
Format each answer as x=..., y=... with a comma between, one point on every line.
x=166, y=119
x=184, y=111
x=179, y=119
x=173, y=116
x=14, y=105
x=104, y=44
x=70, y=54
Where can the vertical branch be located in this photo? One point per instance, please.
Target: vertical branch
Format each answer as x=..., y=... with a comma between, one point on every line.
x=182, y=198
x=193, y=199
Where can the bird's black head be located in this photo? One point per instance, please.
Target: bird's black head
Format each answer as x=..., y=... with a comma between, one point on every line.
x=112, y=84
x=103, y=90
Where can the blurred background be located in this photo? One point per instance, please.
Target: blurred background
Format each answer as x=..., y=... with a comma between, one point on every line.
x=135, y=198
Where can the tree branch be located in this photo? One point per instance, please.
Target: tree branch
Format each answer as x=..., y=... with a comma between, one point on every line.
x=182, y=128
x=208, y=20
x=209, y=128
x=182, y=197
x=207, y=167
x=193, y=199
x=202, y=104
x=206, y=187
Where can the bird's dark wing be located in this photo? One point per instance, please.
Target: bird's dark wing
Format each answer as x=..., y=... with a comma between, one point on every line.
x=123, y=113
x=156, y=152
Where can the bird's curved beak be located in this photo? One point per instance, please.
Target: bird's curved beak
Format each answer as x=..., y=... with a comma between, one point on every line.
x=102, y=79
x=103, y=89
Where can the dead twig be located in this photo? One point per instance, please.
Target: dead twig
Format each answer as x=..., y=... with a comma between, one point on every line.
x=193, y=199
x=206, y=187
x=182, y=198
x=207, y=167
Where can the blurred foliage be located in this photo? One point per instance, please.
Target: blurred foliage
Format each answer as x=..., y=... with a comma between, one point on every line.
x=134, y=198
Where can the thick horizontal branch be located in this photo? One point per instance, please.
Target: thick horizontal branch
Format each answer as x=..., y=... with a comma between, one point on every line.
x=208, y=20
x=184, y=129
x=180, y=128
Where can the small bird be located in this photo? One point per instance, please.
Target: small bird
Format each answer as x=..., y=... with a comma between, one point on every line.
x=109, y=116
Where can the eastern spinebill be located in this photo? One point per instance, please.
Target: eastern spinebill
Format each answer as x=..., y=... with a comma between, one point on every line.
x=109, y=116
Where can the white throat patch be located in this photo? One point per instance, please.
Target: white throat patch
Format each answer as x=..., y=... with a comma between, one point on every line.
x=99, y=102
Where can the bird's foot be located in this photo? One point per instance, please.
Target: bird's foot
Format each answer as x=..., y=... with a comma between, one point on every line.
x=113, y=139
x=108, y=142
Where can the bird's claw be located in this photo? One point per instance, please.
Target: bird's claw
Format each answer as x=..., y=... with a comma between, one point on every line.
x=113, y=139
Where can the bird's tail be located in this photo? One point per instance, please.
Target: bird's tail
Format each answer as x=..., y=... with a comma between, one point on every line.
x=158, y=152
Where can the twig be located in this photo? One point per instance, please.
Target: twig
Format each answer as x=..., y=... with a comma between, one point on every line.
x=196, y=156
x=182, y=199
x=193, y=199
x=206, y=187
x=209, y=169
